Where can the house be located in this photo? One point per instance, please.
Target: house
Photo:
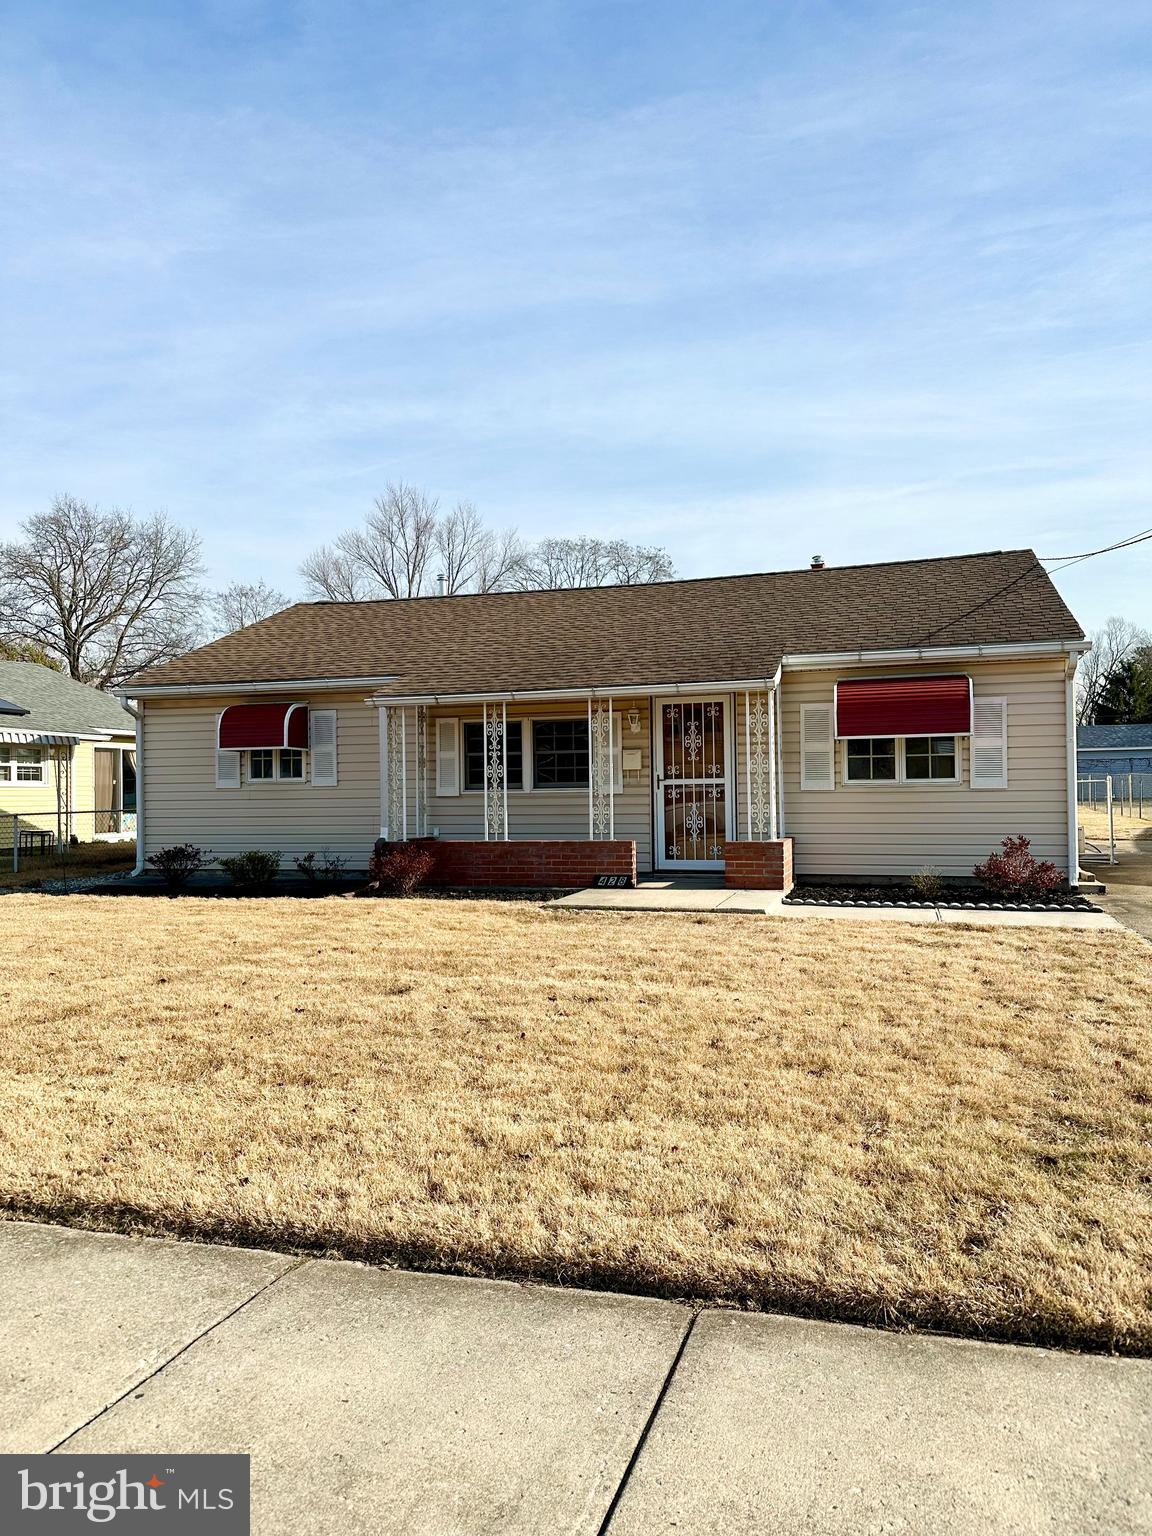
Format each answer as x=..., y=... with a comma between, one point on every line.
x=67, y=758
x=857, y=722
x=1118, y=750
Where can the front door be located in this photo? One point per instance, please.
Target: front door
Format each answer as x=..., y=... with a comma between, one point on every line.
x=693, y=783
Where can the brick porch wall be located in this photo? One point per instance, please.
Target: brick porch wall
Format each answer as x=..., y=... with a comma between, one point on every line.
x=759, y=866
x=529, y=862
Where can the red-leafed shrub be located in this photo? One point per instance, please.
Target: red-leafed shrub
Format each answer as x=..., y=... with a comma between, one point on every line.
x=1015, y=872
x=398, y=869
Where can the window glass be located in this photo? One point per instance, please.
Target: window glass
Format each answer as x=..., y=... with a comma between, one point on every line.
x=473, y=731
x=29, y=765
x=291, y=763
x=260, y=765
x=872, y=760
x=560, y=753
x=930, y=757
x=5, y=765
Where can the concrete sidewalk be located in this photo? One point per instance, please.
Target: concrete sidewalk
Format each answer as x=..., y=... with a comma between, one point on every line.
x=384, y=1402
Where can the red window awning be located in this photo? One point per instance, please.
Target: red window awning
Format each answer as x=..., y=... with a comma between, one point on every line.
x=904, y=706
x=247, y=726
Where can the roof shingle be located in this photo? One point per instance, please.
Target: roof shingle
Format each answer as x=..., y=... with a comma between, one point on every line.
x=715, y=629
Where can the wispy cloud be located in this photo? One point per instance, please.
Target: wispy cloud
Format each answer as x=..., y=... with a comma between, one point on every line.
x=874, y=270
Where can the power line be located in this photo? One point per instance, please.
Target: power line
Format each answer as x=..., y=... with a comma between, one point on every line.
x=1062, y=561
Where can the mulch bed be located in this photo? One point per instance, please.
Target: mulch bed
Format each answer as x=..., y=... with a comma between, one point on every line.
x=972, y=898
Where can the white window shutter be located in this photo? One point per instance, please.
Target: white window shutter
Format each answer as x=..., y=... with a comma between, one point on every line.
x=525, y=750
x=989, y=743
x=617, y=752
x=322, y=745
x=448, y=757
x=227, y=769
x=817, y=747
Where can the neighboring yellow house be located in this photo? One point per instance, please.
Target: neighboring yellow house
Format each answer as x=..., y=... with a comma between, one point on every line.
x=67, y=759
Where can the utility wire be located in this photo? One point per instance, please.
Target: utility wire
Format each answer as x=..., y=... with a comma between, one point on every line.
x=1065, y=560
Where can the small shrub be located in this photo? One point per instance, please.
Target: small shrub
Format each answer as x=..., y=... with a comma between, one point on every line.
x=325, y=868
x=1015, y=872
x=179, y=863
x=927, y=883
x=252, y=871
x=398, y=869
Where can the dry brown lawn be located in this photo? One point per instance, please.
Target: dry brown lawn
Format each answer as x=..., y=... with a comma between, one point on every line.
x=930, y=1126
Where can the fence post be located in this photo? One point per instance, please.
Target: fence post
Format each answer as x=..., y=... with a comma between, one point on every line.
x=15, y=844
x=1111, y=827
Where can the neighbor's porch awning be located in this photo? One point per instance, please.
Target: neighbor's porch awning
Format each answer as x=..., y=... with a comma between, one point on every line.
x=904, y=706
x=244, y=727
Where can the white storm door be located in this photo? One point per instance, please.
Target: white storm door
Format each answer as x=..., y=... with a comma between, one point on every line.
x=693, y=787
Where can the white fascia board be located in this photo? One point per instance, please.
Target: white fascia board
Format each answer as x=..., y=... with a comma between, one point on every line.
x=612, y=691
x=1021, y=650
x=211, y=690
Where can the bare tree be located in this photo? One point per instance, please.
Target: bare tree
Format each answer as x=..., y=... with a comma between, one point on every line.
x=106, y=592
x=406, y=541
x=330, y=574
x=587, y=562
x=500, y=560
x=474, y=557
x=397, y=541
x=1112, y=646
x=245, y=603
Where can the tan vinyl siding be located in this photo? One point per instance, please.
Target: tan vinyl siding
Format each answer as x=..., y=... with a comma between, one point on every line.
x=879, y=829
x=548, y=813
x=182, y=803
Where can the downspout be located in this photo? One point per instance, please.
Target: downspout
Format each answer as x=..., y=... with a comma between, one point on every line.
x=1073, y=822
x=138, y=712
x=779, y=764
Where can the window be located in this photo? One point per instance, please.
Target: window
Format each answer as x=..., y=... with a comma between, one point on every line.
x=474, y=754
x=560, y=754
x=901, y=760
x=871, y=760
x=22, y=765
x=930, y=757
x=269, y=763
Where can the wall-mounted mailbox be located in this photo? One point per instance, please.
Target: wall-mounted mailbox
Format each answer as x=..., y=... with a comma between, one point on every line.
x=632, y=759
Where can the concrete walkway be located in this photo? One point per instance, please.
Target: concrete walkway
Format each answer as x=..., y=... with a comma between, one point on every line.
x=657, y=895
x=378, y=1401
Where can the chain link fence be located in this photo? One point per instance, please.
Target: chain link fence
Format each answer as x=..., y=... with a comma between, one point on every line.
x=50, y=846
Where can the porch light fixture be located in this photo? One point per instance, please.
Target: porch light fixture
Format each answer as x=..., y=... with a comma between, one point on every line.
x=634, y=721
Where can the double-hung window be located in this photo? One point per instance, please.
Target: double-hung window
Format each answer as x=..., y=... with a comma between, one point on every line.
x=266, y=764
x=21, y=765
x=560, y=754
x=901, y=760
x=473, y=740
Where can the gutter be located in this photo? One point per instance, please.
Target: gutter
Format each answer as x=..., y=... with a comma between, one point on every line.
x=934, y=653
x=612, y=691
x=205, y=690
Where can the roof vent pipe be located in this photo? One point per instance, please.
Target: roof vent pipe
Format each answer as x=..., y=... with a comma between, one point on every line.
x=817, y=563
x=441, y=585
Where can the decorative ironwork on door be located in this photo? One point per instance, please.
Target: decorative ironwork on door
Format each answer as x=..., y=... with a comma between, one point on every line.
x=694, y=792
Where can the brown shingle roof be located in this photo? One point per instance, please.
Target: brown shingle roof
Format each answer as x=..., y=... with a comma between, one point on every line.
x=717, y=629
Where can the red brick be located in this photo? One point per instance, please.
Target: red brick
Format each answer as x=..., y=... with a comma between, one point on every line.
x=759, y=866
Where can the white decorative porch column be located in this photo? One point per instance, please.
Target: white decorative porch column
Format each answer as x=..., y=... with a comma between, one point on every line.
x=496, y=772
x=393, y=777
x=760, y=766
x=601, y=780
x=421, y=770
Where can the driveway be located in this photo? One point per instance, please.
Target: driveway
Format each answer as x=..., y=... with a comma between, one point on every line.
x=1129, y=882
x=423, y=1405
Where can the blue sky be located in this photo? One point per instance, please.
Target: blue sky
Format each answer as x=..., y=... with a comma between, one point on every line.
x=748, y=280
